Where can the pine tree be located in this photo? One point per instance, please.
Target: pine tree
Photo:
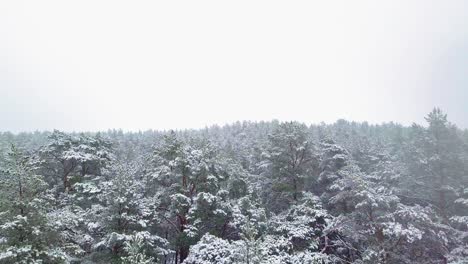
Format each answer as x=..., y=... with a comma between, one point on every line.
x=186, y=174
x=436, y=162
x=288, y=160
x=28, y=236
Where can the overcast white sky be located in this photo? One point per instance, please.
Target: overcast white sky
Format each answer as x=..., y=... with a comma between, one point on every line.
x=94, y=65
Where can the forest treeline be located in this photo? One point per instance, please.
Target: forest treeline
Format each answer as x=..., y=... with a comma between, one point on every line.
x=249, y=192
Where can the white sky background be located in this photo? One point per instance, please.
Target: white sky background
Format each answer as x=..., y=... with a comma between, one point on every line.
x=94, y=65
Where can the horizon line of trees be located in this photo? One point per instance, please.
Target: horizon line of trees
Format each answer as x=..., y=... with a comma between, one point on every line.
x=249, y=192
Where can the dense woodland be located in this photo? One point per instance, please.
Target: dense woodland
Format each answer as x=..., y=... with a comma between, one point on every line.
x=250, y=192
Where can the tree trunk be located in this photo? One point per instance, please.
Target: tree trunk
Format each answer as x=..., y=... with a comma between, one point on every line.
x=183, y=248
x=183, y=253
x=295, y=189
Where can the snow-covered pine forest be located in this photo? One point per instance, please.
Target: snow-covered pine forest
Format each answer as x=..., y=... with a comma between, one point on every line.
x=249, y=192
